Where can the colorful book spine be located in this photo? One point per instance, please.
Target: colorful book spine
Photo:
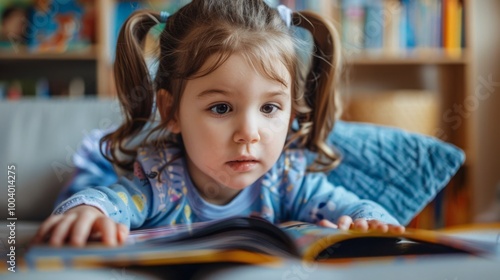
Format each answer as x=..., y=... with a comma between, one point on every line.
x=392, y=37
x=437, y=24
x=374, y=25
x=453, y=30
x=408, y=24
x=353, y=23
x=394, y=25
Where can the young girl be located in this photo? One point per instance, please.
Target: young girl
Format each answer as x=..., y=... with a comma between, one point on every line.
x=239, y=113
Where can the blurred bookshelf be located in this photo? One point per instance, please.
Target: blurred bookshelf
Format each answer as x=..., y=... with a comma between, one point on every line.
x=54, y=49
x=406, y=60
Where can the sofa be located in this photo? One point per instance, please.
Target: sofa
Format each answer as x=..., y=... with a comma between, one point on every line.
x=39, y=137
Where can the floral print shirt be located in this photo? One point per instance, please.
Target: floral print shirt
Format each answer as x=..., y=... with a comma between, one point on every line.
x=157, y=194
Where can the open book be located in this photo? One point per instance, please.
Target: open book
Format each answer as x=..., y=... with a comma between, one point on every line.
x=256, y=241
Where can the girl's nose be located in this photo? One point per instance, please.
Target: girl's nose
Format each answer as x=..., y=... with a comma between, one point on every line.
x=247, y=131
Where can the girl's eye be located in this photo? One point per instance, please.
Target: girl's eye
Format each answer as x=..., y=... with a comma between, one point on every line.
x=269, y=109
x=220, y=109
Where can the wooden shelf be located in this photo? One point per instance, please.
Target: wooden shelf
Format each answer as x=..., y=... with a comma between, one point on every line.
x=418, y=57
x=86, y=54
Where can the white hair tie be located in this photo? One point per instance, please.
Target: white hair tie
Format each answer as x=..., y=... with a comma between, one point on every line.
x=285, y=14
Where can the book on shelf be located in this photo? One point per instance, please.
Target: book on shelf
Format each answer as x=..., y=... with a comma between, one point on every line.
x=60, y=26
x=42, y=88
x=47, y=26
x=452, y=26
x=253, y=240
x=394, y=26
x=352, y=22
x=17, y=89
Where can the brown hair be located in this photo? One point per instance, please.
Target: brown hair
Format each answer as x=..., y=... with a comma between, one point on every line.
x=204, y=28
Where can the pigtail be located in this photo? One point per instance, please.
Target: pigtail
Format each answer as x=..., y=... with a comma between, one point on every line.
x=134, y=87
x=320, y=93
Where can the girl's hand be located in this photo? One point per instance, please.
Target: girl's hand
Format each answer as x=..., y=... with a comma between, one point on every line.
x=346, y=222
x=77, y=225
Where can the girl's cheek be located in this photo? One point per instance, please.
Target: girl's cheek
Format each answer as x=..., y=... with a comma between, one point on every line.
x=276, y=130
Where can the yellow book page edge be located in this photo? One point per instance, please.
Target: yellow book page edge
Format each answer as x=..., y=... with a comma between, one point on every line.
x=161, y=258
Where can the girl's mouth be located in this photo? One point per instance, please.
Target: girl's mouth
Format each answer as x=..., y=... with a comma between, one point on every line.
x=242, y=165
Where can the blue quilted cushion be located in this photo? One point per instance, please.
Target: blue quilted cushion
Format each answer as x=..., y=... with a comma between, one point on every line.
x=402, y=171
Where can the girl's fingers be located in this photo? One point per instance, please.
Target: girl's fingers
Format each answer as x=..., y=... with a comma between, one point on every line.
x=383, y=227
x=123, y=232
x=81, y=230
x=45, y=228
x=61, y=230
x=396, y=229
x=360, y=224
x=108, y=230
x=344, y=222
x=377, y=225
x=77, y=225
x=327, y=223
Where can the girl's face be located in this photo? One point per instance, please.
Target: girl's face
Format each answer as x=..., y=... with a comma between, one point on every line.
x=234, y=124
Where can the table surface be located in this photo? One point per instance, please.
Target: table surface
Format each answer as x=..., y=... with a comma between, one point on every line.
x=428, y=267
